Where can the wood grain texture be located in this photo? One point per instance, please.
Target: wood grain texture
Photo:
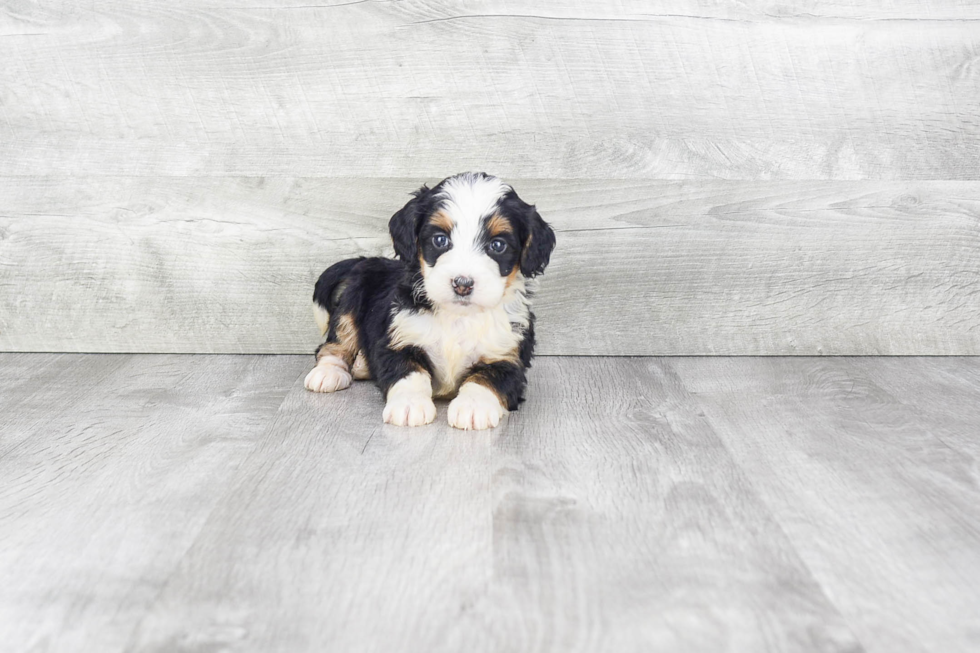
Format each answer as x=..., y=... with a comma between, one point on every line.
x=568, y=89
x=131, y=264
x=33, y=385
x=867, y=487
x=601, y=516
x=199, y=503
x=342, y=534
x=106, y=474
x=945, y=396
x=621, y=523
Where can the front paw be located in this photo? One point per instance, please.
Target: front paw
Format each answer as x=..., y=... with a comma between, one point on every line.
x=475, y=407
x=409, y=410
x=328, y=376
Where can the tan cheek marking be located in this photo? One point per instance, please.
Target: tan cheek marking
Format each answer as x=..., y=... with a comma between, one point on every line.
x=510, y=278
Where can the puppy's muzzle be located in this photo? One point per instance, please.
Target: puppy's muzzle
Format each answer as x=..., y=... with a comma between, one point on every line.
x=462, y=286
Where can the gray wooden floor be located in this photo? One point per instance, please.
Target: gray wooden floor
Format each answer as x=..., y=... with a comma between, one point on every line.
x=209, y=503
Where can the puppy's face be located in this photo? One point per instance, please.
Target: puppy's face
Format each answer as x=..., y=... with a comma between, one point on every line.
x=473, y=239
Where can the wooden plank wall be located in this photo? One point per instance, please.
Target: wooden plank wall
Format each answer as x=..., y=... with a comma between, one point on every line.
x=725, y=177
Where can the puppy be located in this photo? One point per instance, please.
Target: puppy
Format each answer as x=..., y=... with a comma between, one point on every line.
x=450, y=317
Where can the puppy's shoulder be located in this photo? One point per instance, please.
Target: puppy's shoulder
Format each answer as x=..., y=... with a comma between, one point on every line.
x=376, y=275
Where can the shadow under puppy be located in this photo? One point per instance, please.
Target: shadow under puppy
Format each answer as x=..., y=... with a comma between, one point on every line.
x=451, y=316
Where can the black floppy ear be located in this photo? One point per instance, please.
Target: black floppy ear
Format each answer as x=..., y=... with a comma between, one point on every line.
x=403, y=226
x=538, y=245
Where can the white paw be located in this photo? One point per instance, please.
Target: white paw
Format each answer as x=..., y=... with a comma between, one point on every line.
x=475, y=407
x=409, y=410
x=410, y=401
x=329, y=375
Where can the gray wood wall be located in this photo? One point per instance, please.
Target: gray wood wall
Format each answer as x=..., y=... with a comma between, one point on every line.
x=725, y=177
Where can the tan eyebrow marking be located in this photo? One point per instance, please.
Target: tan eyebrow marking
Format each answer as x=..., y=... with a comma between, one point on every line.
x=443, y=221
x=498, y=224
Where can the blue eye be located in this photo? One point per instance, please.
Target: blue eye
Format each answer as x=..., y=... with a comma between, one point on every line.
x=441, y=241
x=497, y=245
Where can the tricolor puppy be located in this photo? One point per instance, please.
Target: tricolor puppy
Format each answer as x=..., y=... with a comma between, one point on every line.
x=450, y=317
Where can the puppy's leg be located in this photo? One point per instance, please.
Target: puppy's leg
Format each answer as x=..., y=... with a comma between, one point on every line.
x=330, y=374
x=475, y=407
x=409, y=401
x=404, y=376
x=489, y=391
x=334, y=358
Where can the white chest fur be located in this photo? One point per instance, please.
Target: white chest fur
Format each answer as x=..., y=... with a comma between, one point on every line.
x=454, y=341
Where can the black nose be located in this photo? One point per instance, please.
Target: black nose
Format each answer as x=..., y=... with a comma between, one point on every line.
x=463, y=286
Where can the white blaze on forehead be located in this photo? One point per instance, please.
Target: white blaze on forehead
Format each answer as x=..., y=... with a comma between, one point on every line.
x=467, y=199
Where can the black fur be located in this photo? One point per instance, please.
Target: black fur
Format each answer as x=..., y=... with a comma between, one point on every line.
x=373, y=290
x=332, y=277
x=507, y=379
x=512, y=252
x=405, y=224
x=526, y=352
x=373, y=287
x=537, y=237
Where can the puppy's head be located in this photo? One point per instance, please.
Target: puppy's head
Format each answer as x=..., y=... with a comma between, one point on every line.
x=473, y=239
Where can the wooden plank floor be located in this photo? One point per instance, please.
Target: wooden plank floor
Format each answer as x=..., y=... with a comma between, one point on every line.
x=210, y=503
